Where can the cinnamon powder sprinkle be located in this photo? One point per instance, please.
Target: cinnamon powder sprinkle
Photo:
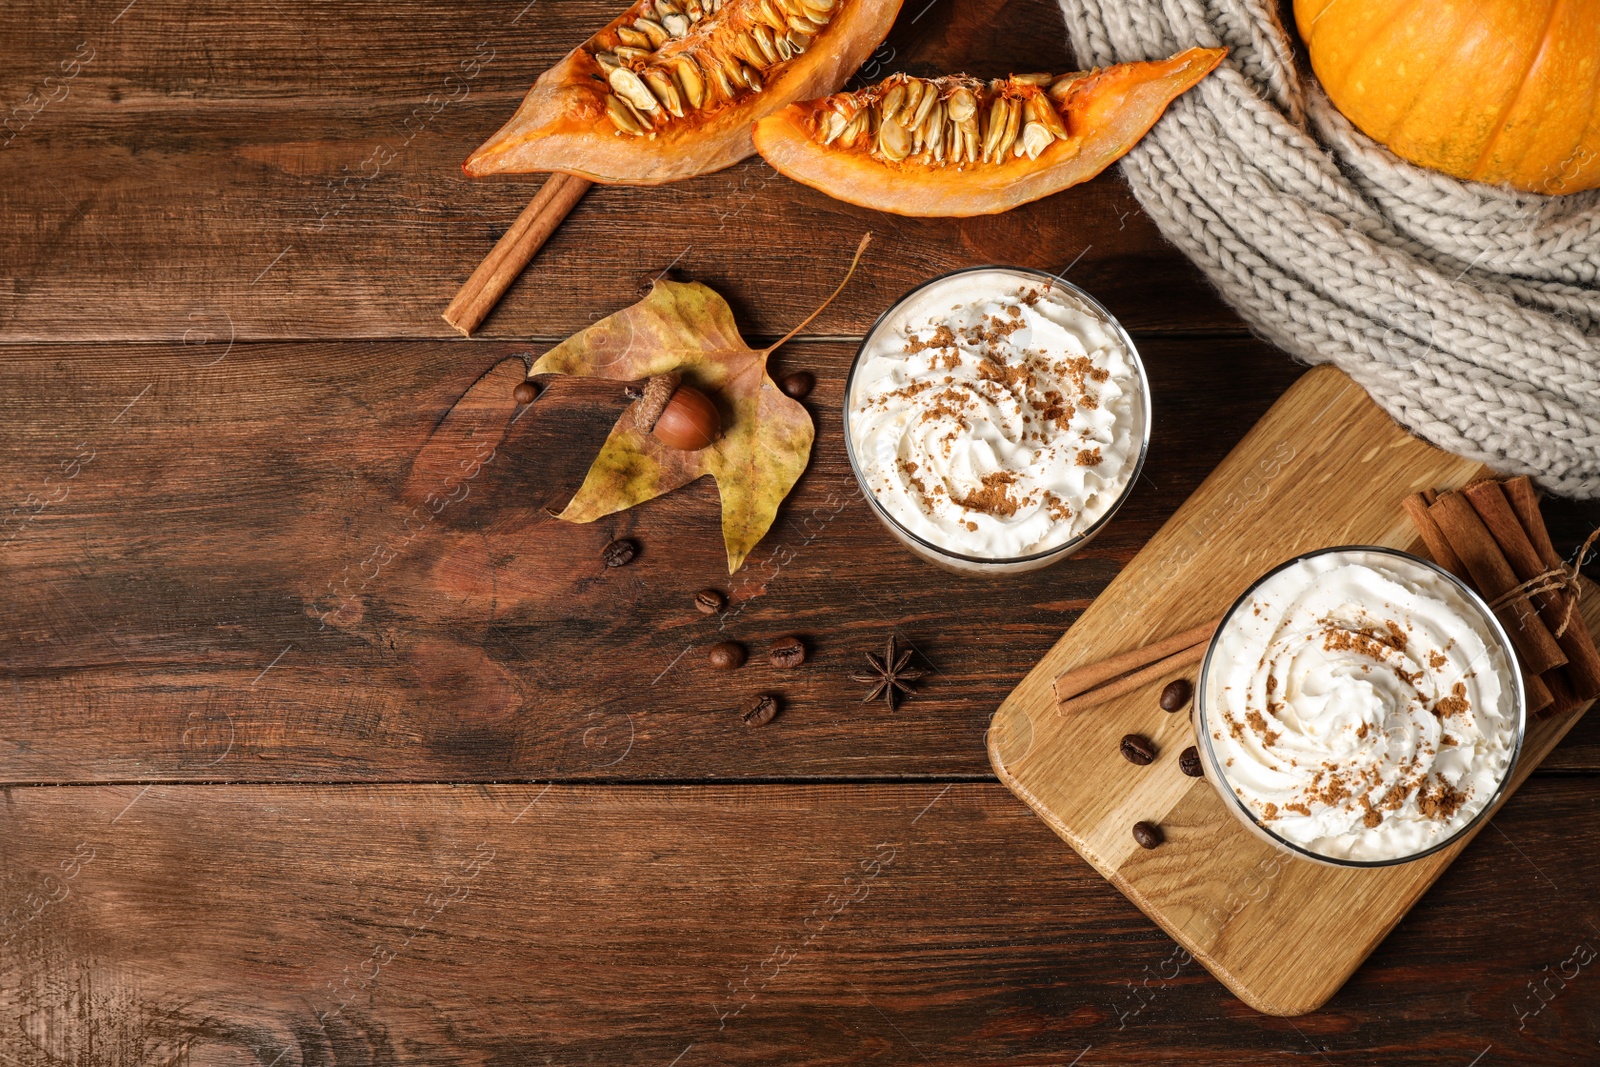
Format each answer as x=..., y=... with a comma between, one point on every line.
x=1371, y=819
x=1442, y=802
x=943, y=337
x=1089, y=457
x=1454, y=704
x=994, y=497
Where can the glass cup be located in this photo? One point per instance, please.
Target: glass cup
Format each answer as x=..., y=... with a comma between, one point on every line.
x=1203, y=699
x=997, y=565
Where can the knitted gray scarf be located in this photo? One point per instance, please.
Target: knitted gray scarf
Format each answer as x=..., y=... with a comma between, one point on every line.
x=1469, y=312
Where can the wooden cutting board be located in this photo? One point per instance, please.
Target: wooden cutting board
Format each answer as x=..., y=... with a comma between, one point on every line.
x=1325, y=466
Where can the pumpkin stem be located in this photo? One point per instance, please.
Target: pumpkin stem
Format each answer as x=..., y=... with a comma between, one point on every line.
x=866, y=238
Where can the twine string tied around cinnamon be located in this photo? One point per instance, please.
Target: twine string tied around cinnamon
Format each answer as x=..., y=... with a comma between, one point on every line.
x=1561, y=580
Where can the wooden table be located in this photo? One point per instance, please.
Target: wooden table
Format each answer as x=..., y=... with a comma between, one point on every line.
x=505, y=814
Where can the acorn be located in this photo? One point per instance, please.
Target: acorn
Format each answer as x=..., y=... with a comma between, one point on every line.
x=679, y=416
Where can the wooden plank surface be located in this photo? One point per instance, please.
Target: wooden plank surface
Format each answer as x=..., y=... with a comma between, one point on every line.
x=166, y=614
x=167, y=605
x=444, y=926
x=1324, y=467
x=296, y=174
x=179, y=501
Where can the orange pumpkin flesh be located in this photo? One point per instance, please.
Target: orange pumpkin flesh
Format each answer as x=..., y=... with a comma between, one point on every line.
x=1103, y=112
x=1497, y=91
x=563, y=123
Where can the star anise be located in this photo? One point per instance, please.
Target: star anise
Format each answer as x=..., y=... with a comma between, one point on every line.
x=889, y=674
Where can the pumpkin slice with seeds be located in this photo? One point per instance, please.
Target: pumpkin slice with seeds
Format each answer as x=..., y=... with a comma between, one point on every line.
x=670, y=89
x=960, y=146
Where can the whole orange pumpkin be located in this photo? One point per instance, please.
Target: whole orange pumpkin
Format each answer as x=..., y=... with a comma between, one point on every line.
x=1498, y=91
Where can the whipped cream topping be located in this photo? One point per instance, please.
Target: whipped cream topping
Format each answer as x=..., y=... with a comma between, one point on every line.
x=993, y=415
x=1361, y=706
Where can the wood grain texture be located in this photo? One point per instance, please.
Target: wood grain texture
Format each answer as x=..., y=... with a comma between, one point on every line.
x=297, y=174
x=165, y=616
x=183, y=509
x=295, y=925
x=1324, y=467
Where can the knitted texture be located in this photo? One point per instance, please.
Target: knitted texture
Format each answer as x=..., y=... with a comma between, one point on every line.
x=1469, y=312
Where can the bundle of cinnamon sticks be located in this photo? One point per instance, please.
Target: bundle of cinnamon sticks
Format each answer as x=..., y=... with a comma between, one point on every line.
x=1492, y=536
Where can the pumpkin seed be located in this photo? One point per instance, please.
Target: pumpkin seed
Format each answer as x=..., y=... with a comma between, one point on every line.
x=719, y=77
x=608, y=62
x=819, y=9
x=799, y=42
x=622, y=116
x=830, y=125
x=1033, y=79
x=893, y=142
x=690, y=79
x=1042, y=111
x=973, y=145
x=913, y=99
x=924, y=106
x=769, y=13
x=653, y=30
x=629, y=54
x=994, y=127
x=634, y=38
x=762, y=35
x=933, y=124
x=963, y=106
x=746, y=48
x=662, y=85
x=892, y=101
x=751, y=78
x=626, y=84
x=855, y=128
x=1008, y=134
x=1035, y=139
x=1061, y=88
x=677, y=25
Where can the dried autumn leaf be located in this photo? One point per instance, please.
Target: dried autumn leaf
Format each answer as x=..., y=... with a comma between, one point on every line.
x=766, y=436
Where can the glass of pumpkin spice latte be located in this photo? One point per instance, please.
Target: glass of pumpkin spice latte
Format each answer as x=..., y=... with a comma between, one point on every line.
x=996, y=418
x=1360, y=707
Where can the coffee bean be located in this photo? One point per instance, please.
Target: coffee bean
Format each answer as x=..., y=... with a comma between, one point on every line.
x=619, y=553
x=525, y=392
x=786, y=652
x=1148, y=834
x=760, y=711
x=1138, y=750
x=709, y=601
x=1189, y=763
x=726, y=655
x=798, y=385
x=1176, y=694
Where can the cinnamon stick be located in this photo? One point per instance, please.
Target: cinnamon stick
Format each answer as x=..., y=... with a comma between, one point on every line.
x=1556, y=606
x=1537, y=693
x=1084, y=678
x=1494, y=578
x=1416, y=506
x=1524, y=500
x=1563, y=697
x=513, y=251
x=1127, y=683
